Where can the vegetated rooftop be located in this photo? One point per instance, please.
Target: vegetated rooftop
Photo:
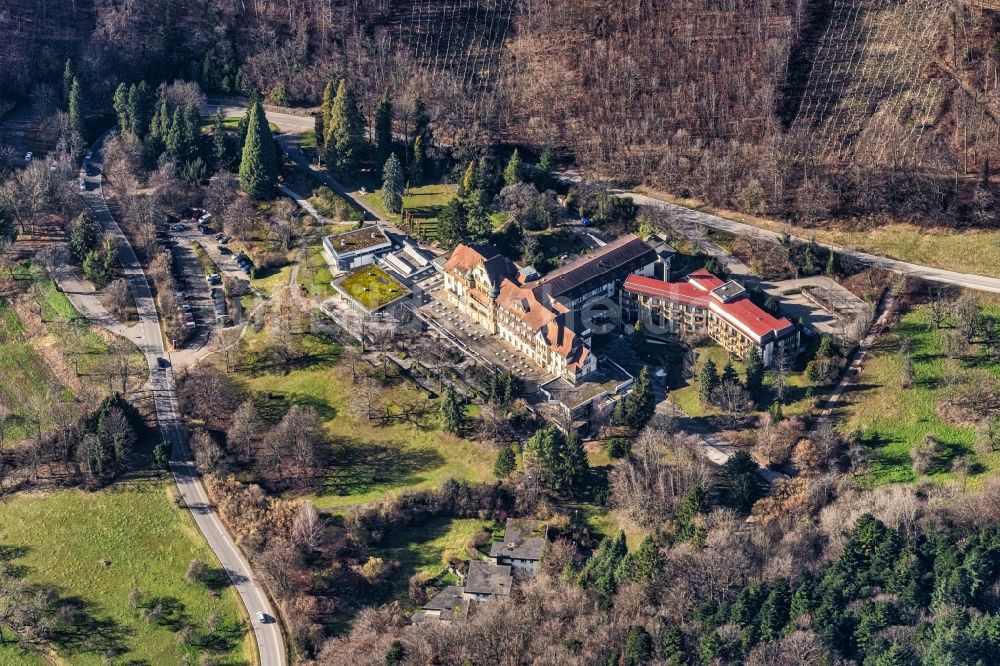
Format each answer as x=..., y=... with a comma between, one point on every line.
x=372, y=287
x=357, y=240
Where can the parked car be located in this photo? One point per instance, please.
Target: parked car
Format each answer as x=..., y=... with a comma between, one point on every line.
x=28, y=156
x=179, y=227
x=162, y=363
x=225, y=239
x=214, y=278
x=186, y=307
x=223, y=249
x=88, y=155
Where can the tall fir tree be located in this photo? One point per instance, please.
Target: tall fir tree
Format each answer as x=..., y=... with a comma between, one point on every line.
x=561, y=458
x=754, y=374
x=174, y=140
x=450, y=411
x=345, y=133
x=453, y=223
x=326, y=113
x=259, y=163
x=74, y=108
x=120, y=105
x=140, y=99
x=421, y=122
x=640, y=402
x=729, y=374
x=708, y=379
x=506, y=462
x=67, y=81
x=470, y=180
x=417, y=163
x=392, y=185
x=513, y=171
x=220, y=147
x=383, y=130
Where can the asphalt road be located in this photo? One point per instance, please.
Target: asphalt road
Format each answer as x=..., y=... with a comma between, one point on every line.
x=690, y=216
x=270, y=642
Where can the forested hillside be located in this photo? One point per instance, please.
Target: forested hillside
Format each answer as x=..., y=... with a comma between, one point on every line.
x=778, y=107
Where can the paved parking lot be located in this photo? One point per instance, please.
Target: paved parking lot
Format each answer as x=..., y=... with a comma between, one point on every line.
x=822, y=304
x=476, y=341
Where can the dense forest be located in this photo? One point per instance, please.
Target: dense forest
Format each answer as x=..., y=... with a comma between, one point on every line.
x=739, y=104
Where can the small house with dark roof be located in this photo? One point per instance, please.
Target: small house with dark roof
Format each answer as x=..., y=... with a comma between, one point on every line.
x=486, y=580
x=523, y=545
x=447, y=606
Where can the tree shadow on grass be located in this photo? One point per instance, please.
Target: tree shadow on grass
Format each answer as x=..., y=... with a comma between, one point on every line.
x=357, y=468
x=166, y=611
x=224, y=638
x=79, y=628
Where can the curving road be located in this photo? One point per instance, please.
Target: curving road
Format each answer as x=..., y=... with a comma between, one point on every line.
x=270, y=643
x=691, y=216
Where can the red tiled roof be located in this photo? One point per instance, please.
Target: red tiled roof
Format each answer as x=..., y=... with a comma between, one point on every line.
x=740, y=312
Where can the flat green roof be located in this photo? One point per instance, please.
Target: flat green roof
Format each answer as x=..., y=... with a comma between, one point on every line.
x=372, y=287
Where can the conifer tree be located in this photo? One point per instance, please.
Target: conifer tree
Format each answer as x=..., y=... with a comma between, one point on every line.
x=512, y=172
x=561, y=459
x=453, y=223
x=421, y=122
x=259, y=163
x=345, y=133
x=326, y=112
x=220, y=149
x=417, y=164
x=642, y=564
x=383, y=131
x=120, y=105
x=392, y=185
x=602, y=569
x=638, y=647
x=470, y=180
x=174, y=140
x=67, y=81
x=506, y=462
x=708, y=379
x=450, y=411
x=729, y=374
x=139, y=103
x=640, y=402
x=74, y=112
x=754, y=374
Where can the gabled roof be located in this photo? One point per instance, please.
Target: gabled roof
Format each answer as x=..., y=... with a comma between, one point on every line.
x=628, y=252
x=522, y=540
x=697, y=291
x=465, y=258
x=485, y=578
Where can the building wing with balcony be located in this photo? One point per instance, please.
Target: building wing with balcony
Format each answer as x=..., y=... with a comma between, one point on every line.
x=705, y=304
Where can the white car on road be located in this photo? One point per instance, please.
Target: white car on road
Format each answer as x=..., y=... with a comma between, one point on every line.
x=261, y=617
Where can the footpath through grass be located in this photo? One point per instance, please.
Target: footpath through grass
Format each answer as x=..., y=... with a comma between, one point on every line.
x=39, y=366
x=370, y=462
x=891, y=419
x=99, y=547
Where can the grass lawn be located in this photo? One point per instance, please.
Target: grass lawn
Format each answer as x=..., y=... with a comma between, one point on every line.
x=967, y=250
x=373, y=287
x=274, y=280
x=314, y=273
x=231, y=123
x=100, y=546
x=370, y=462
x=26, y=375
x=307, y=139
x=328, y=204
x=686, y=397
x=892, y=419
x=427, y=548
x=423, y=203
